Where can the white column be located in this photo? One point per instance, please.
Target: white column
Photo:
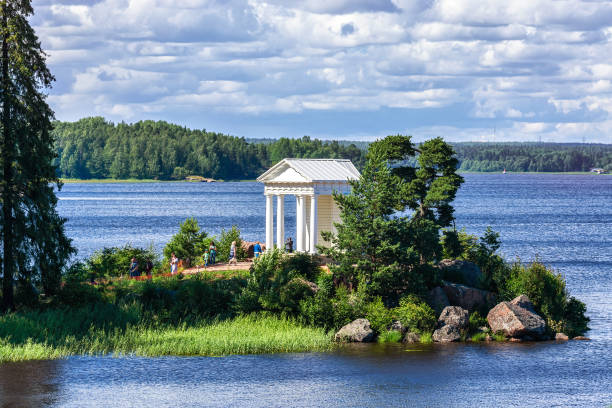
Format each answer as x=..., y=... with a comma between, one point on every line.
x=313, y=224
x=269, y=222
x=280, y=221
x=300, y=221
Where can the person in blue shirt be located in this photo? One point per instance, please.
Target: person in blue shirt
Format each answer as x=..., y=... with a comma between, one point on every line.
x=134, y=268
x=257, y=250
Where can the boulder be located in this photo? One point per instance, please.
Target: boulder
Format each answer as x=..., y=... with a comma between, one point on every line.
x=456, y=270
x=411, y=337
x=249, y=246
x=446, y=334
x=398, y=326
x=358, y=331
x=581, y=338
x=468, y=297
x=454, y=316
x=516, y=319
x=438, y=299
x=561, y=337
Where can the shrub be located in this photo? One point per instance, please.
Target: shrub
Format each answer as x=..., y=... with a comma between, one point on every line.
x=546, y=290
x=379, y=316
x=75, y=294
x=275, y=284
x=114, y=261
x=415, y=314
x=188, y=243
x=224, y=242
x=477, y=321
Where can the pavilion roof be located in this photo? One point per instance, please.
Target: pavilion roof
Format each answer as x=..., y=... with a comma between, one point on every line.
x=311, y=170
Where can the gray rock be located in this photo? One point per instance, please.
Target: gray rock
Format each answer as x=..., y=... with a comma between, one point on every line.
x=516, y=319
x=447, y=334
x=358, y=331
x=398, y=326
x=468, y=297
x=438, y=299
x=411, y=337
x=455, y=270
x=454, y=316
x=561, y=337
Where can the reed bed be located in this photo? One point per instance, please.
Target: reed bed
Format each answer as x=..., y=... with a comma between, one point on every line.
x=37, y=336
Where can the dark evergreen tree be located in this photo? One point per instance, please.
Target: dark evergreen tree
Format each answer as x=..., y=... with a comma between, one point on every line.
x=34, y=246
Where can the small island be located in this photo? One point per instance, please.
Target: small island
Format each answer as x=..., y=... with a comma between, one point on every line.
x=394, y=268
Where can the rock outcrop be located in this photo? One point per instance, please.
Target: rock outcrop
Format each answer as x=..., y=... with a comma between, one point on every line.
x=561, y=337
x=468, y=297
x=447, y=334
x=452, y=322
x=455, y=270
x=438, y=299
x=398, y=327
x=411, y=337
x=358, y=331
x=516, y=319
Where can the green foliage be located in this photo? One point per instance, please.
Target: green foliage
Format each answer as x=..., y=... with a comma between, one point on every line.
x=416, y=315
x=96, y=148
x=480, y=336
x=188, y=243
x=224, y=242
x=426, y=338
x=111, y=262
x=379, y=316
x=377, y=243
x=390, y=336
x=477, y=321
x=276, y=284
x=76, y=294
x=546, y=290
x=540, y=157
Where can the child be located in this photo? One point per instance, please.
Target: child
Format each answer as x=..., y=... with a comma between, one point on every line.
x=206, y=258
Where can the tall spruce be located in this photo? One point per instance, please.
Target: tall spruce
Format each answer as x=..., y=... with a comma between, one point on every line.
x=34, y=245
x=379, y=243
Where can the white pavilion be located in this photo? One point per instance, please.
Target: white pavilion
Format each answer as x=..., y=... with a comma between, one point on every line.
x=312, y=182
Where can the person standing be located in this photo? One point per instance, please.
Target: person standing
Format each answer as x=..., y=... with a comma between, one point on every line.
x=149, y=268
x=289, y=245
x=232, y=254
x=213, y=252
x=173, y=264
x=257, y=250
x=206, y=257
x=134, y=268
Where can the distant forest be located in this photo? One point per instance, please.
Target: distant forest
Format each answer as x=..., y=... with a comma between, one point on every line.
x=96, y=148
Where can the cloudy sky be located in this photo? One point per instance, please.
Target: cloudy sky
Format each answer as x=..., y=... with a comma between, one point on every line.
x=521, y=70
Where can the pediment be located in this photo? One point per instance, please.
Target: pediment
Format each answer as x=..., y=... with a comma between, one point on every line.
x=286, y=174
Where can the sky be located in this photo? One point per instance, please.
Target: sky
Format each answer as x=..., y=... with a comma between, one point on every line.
x=466, y=70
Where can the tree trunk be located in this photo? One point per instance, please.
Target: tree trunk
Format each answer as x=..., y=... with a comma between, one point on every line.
x=7, y=179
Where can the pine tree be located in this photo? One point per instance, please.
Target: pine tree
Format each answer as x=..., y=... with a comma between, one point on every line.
x=34, y=246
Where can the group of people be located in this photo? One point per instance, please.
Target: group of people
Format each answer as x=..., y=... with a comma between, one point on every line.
x=209, y=258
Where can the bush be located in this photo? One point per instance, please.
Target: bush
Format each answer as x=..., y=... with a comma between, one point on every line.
x=76, y=294
x=112, y=262
x=188, y=243
x=416, y=315
x=224, y=242
x=275, y=284
x=390, y=336
x=379, y=316
x=477, y=321
x=546, y=290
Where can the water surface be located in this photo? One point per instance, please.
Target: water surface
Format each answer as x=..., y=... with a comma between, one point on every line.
x=565, y=220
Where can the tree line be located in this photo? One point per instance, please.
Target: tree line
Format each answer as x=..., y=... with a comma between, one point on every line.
x=538, y=157
x=96, y=148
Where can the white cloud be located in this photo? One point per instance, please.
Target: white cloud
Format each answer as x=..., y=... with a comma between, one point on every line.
x=534, y=67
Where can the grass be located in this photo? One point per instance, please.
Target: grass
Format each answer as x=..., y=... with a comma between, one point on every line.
x=427, y=338
x=390, y=336
x=479, y=336
x=34, y=337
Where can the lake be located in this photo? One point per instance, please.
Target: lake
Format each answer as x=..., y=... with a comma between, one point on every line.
x=564, y=220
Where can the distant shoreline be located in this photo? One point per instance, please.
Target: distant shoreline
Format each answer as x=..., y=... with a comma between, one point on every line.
x=111, y=180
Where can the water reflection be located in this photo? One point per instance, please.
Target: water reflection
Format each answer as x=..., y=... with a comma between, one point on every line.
x=30, y=384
